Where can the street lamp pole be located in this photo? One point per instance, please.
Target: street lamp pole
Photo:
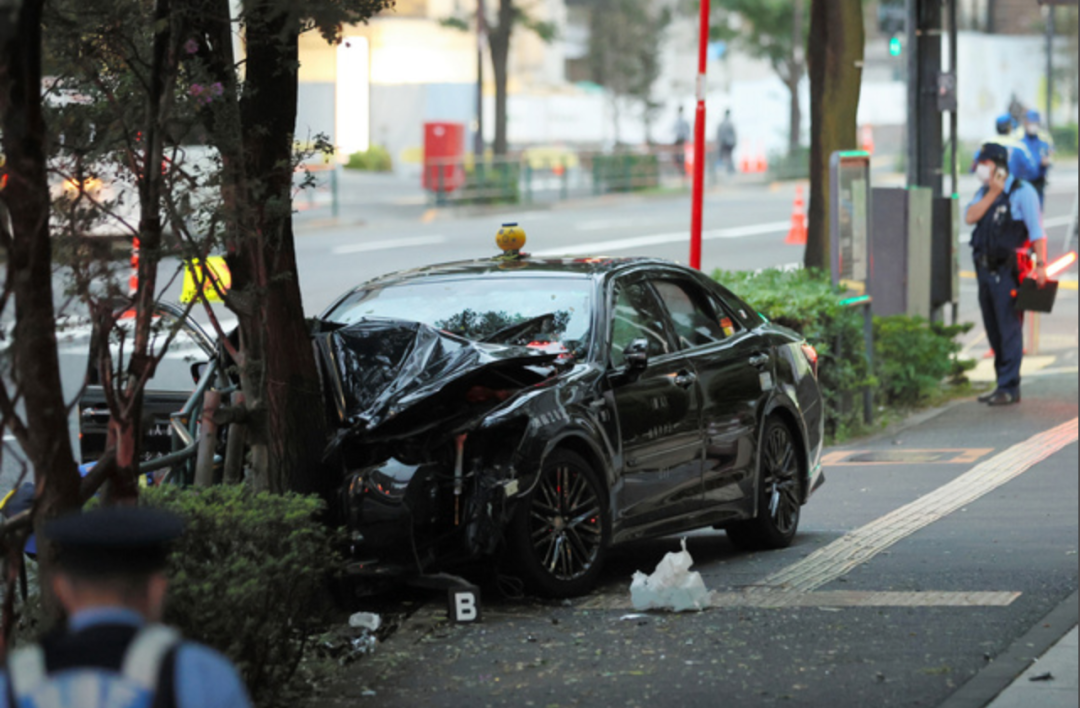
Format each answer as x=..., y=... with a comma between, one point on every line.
x=699, y=142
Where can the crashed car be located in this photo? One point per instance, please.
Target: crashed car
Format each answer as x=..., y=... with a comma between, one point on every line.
x=536, y=412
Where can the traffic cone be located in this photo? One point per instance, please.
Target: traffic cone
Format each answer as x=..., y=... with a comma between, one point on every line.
x=744, y=165
x=761, y=164
x=868, y=138
x=797, y=235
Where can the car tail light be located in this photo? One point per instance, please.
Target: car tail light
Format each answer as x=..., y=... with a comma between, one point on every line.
x=811, y=356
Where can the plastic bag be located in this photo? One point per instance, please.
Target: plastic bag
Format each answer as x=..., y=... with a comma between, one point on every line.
x=672, y=586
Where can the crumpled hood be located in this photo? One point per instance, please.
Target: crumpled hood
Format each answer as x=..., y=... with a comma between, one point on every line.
x=380, y=371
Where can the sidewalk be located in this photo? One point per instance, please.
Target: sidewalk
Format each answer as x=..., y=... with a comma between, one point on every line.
x=1050, y=682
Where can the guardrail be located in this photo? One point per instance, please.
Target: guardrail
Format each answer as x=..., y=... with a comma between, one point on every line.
x=553, y=175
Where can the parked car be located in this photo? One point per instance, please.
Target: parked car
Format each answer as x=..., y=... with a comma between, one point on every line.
x=538, y=412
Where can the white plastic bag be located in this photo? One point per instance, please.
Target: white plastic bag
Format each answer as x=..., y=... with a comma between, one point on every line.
x=672, y=586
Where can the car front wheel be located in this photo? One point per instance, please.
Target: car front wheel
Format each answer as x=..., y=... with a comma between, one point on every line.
x=559, y=534
x=778, y=500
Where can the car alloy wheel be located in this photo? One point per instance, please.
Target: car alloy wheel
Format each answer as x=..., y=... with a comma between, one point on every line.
x=779, y=504
x=560, y=530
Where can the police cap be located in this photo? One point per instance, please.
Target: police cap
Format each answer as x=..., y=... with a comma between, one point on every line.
x=998, y=154
x=112, y=540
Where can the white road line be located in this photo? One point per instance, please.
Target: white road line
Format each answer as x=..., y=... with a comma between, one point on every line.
x=841, y=556
x=623, y=244
x=388, y=245
x=829, y=599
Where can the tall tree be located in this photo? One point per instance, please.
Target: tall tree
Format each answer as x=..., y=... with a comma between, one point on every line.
x=254, y=134
x=624, y=52
x=34, y=376
x=836, y=48
x=508, y=16
x=774, y=30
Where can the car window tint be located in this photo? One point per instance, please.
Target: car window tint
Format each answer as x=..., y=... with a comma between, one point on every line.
x=637, y=315
x=696, y=322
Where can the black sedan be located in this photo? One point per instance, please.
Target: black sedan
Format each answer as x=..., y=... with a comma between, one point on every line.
x=536, y=412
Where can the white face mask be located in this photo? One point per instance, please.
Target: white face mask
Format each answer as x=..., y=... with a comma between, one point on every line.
x=1032, y=130
x=983, y=172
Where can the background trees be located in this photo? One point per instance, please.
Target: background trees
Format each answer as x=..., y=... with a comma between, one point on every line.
x=774, y=30
x=624, y=52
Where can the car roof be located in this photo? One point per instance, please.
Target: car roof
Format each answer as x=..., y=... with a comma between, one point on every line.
x=595, y=267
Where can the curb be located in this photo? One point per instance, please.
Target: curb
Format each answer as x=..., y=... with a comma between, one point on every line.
x=985, y=686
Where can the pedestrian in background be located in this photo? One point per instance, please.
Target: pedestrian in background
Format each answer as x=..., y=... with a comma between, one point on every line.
x=1008, y=222
x=1040, y=148
x=112, y=653
x=726, y=140
x=1020, y=166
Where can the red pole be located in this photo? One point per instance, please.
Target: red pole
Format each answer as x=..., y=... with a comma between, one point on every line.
x=699, y=143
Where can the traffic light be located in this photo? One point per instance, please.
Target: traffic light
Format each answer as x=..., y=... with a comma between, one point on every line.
x=896, y=46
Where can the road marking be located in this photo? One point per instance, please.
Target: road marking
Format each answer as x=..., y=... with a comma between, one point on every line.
x=752, y=597
x=843, y=555
x=871, y=458
x=623, y=244
x=388, y=245
x=850, y=598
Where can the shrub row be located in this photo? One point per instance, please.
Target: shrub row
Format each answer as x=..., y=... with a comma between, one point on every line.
x=912, y=357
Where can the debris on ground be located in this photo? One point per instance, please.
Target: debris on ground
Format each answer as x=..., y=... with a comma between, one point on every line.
x=672, y=586
x=1042, y=677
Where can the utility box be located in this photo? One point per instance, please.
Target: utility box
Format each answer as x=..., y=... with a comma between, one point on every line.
x=444, y=155
x=945, y=271
x=902, y=244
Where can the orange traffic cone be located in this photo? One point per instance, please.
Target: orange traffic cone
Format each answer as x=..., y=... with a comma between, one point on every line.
x=745, y=165
x=868, y=139
x=761, y=164
x=797, y=235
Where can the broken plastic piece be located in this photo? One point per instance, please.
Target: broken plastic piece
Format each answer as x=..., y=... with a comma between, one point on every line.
x=672, y=586
x=366, y=620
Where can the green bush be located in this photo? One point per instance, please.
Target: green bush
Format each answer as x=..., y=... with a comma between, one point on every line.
x=806, y=302
x=912, y=357
x=790, y=165
x=374, y=159
x=491, y=183
x=1065, y=138
x=625, y=172
x=248, y=578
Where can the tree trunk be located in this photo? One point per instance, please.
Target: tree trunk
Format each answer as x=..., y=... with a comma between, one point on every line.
x=280, y=361
x=36, y=365
x=795, y=114
x=499, y=40
x=835, y=58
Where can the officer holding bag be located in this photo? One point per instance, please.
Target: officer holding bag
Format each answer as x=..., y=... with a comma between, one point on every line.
x=1008, y=224
x=113, y=653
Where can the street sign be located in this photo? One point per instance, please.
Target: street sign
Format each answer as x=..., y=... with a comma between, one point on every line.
x=850, y=220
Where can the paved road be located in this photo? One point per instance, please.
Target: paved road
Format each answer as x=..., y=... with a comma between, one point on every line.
x=963, y=555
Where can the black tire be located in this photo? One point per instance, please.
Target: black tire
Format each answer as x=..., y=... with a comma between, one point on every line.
x=778, y=503
x=559, y=534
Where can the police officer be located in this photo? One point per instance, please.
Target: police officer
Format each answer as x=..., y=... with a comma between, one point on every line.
x=112, y=654
x=1039, y=148
x=1007, y=219
x=1020, y=164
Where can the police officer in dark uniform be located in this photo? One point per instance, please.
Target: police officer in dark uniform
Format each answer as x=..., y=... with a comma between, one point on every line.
x=1008, y=221
x=112, y=654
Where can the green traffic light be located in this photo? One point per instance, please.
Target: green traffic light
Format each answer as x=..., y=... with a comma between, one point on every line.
x=895, y=47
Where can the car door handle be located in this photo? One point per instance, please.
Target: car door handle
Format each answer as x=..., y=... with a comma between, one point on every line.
x=685, y=379
x=759, y=360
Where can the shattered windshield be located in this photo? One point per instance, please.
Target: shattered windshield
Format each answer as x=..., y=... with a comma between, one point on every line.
x=549, y=314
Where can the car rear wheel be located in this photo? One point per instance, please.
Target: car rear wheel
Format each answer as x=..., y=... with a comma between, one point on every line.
x=779, y=506
x=559, y=535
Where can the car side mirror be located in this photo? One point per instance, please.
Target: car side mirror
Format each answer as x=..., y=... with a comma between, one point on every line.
x=636, y=355
x=198, y=370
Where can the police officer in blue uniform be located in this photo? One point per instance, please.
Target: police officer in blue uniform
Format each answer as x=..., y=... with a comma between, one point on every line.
x=113, y=653
x=1039, y=149
x=1020, y=164
x=1008, y=221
